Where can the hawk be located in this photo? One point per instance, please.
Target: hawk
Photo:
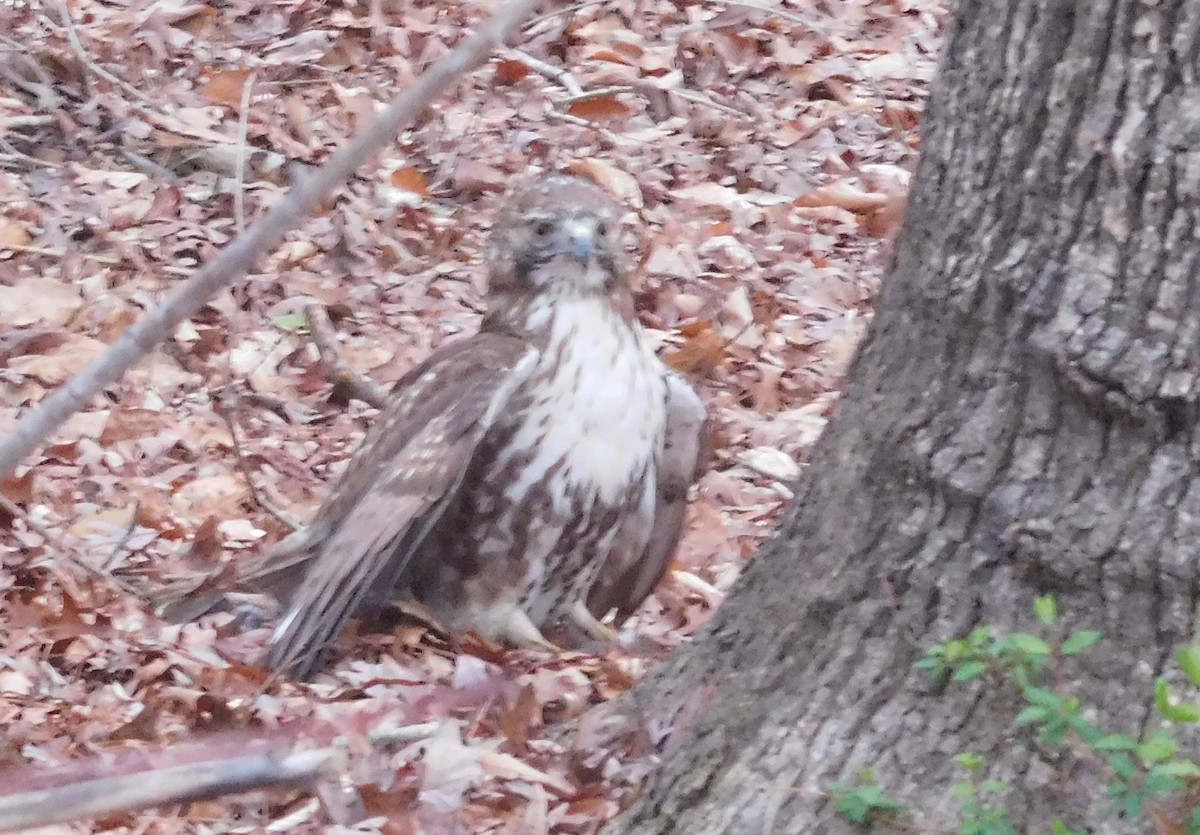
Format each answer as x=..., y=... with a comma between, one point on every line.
x=530, y=475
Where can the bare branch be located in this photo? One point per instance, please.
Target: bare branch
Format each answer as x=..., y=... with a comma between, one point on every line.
x=236, y=259
x=197, y=770
x=181, y=783
x=337, y=370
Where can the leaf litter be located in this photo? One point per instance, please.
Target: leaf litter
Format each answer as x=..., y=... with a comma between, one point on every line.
x=763, y=153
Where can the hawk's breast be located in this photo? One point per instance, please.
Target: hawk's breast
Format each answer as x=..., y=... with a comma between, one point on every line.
x=568, y=476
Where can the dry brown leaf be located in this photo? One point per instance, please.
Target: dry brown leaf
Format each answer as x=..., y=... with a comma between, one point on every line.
x=510, y=71
x=703, y=351
x=410, y=179
x=599, y=108
x=226, y=87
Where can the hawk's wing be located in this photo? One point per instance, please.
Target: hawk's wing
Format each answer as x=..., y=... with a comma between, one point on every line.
x=395, y=489
x=684, y=456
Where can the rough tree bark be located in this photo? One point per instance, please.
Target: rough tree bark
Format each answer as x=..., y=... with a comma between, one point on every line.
x=1021, y=419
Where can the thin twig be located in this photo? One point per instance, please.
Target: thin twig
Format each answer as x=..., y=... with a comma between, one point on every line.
x=109, y=261
x=239, y=256
x=243, y=465
x=556, y=74
x=81, y=53
x=337, y=370
x=149, y=167
x=239, y=196
x=699, y=98
x=595, y=94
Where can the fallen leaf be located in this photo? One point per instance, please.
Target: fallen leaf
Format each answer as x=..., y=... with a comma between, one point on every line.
x=599, y=108
x=621, y=184
x=511, y=71
x=13, y=233
x=60, y=364
x=226, y=87
x=39, y=299
x=843, y=196
x=478, y=178
x=410, y=179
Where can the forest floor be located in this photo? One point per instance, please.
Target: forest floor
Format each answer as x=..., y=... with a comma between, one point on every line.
x=763, y=152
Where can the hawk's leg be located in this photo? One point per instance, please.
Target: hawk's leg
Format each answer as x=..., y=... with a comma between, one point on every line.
x=520, y=631
x=596, y=629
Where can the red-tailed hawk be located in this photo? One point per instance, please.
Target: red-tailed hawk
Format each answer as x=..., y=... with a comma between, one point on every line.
x=531, y=474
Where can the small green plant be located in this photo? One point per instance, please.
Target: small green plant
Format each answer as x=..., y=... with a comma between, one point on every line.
x=1147, y=774
x=864, y=801
x=978, y=816
x=1141, y=770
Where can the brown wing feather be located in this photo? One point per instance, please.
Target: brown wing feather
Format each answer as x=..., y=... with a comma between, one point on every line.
x=684, y=457
x=395, y=489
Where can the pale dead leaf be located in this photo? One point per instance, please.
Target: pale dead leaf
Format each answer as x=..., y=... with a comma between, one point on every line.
x=508, y=767
x=621, y=184
x=842, y=195
x=59, y=364
x=772, y=463
x=13, y=233
x=39, y=299
x=477, y=178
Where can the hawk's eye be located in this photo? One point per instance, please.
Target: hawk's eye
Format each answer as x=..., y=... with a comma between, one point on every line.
x=602, y=228
x=542, y=229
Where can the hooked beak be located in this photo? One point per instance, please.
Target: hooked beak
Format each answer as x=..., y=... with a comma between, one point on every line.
x=581, y=240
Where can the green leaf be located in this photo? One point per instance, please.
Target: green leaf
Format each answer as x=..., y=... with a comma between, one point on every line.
x=853, y=809
x=1032, y=715
x=1157, y=747
x=1057, y=827
x=1189, y=661
x=1123, y=765
x=979, y=636
x=1029, y=644
x=1115, y=742
x=1044, y=698
x=1159, y=783
x=1179, y=768
x=1081, y=640
x=1182, y=712
x=969, y=670
x=291, y=321
x=1046, y=608
x=969, y=761
x=1133, y=803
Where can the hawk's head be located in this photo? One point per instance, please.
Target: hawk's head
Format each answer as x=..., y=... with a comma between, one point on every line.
x=556, y=235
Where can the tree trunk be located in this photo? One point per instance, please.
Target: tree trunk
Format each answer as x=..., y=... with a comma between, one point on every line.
x=1020, y=420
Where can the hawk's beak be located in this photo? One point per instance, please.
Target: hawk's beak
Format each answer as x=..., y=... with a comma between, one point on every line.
x=581, y=241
